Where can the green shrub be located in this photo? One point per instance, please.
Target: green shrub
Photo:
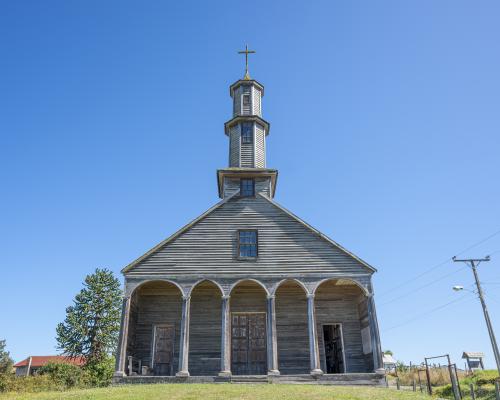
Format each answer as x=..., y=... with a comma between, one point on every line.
x=486, y=377
x=99, y=374
x=446, y=391
x=60, y=376
x=64, y=375
x=37, y=383
x=483, y=381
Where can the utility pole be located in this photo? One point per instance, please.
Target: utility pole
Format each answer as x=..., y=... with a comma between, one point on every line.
x=474, y=262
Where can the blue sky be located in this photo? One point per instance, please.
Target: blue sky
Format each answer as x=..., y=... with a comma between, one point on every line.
x=385, y=131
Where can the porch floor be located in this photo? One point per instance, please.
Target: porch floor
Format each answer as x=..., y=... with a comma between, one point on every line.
x=354, y=379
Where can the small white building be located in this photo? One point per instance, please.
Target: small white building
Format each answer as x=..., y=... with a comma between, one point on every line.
x=474, y=360
x=389, y=362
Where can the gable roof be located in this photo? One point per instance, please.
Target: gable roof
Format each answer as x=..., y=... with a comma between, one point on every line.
x=472, y=354
x=40, y=361
x=221, y=203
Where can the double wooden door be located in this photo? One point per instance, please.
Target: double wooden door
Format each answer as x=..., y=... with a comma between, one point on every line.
x=248, y=343
x=163, y=350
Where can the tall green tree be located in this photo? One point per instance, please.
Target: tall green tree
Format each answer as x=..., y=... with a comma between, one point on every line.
x=92, y=323
x=6, y=362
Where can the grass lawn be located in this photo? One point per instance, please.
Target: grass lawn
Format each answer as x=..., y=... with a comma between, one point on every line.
x=220, y=392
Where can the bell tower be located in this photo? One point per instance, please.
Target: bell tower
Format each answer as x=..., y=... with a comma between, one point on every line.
x=247, y=132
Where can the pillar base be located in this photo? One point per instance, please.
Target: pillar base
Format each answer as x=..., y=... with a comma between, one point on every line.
x=225, y=374
x=119, y=374
x=273, y=372
x=182, y=373
x=380, y=371
x=316, y=372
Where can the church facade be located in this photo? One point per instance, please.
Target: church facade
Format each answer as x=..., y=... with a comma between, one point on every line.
x=248, y=288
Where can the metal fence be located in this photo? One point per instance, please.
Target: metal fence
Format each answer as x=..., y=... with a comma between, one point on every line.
x=446, y=379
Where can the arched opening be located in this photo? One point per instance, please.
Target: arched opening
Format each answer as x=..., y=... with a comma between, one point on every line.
x=205, y=329
x=154, y=328
x=343, y=327
x=291, y=328
x=248, y=329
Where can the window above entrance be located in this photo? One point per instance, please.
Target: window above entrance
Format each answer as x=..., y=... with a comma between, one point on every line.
x=247, y=244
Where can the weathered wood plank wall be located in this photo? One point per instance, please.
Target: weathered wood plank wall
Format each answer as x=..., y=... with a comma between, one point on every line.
x=256, y=101
x=260, y=149
x=205, y=330
x=285, y=246
x=339, y=304
x=248, y=296
x=292, y=333
x=157, y=303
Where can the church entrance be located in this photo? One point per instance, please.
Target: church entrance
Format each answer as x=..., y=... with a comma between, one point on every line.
x=163, y=350
x=334, y=348
x=248, y=342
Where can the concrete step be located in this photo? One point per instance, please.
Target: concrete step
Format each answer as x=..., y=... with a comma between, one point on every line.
x=249, y=379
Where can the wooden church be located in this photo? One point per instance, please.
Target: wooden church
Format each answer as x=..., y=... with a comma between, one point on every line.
x=248, y=290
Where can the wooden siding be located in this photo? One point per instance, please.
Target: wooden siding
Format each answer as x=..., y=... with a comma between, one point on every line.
x=292, y=333
x=256, y=101
x=237, y=102
x=234, y=146
x=263, y=186
x=260, y=149
x=255, y=106
x=247, y=155
x=285, y=246
x=205, y=330
x=231, y=186
x=365, y=324
x=160, y=303
x=248, y=296
x=246, y=109
x=339, y=304
x=155, y=303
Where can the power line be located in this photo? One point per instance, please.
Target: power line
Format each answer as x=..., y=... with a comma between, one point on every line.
x=428, y=312
x=490, y=297
x=423, y=286
x=440, y=264
x=416, y=277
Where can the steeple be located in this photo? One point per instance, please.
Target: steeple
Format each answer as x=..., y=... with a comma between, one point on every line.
x=247, y=132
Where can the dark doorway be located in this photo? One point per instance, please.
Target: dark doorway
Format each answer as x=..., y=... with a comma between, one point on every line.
x=334, y=348
x=163, y=350
x=248, y=342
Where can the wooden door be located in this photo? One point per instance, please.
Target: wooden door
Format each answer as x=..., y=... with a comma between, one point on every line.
x=163, y=350
x=248, y=342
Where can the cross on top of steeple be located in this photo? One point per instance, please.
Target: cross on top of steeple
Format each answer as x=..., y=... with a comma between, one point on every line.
x=246, y=52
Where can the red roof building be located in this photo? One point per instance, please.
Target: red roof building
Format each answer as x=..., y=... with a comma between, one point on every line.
x=30, y=365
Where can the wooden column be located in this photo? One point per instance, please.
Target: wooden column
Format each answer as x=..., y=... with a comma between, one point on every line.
x=184, y=342
x=121, y=355
x=272, y=344
x=225, y=348
x=313, y=337
x=378, y=364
